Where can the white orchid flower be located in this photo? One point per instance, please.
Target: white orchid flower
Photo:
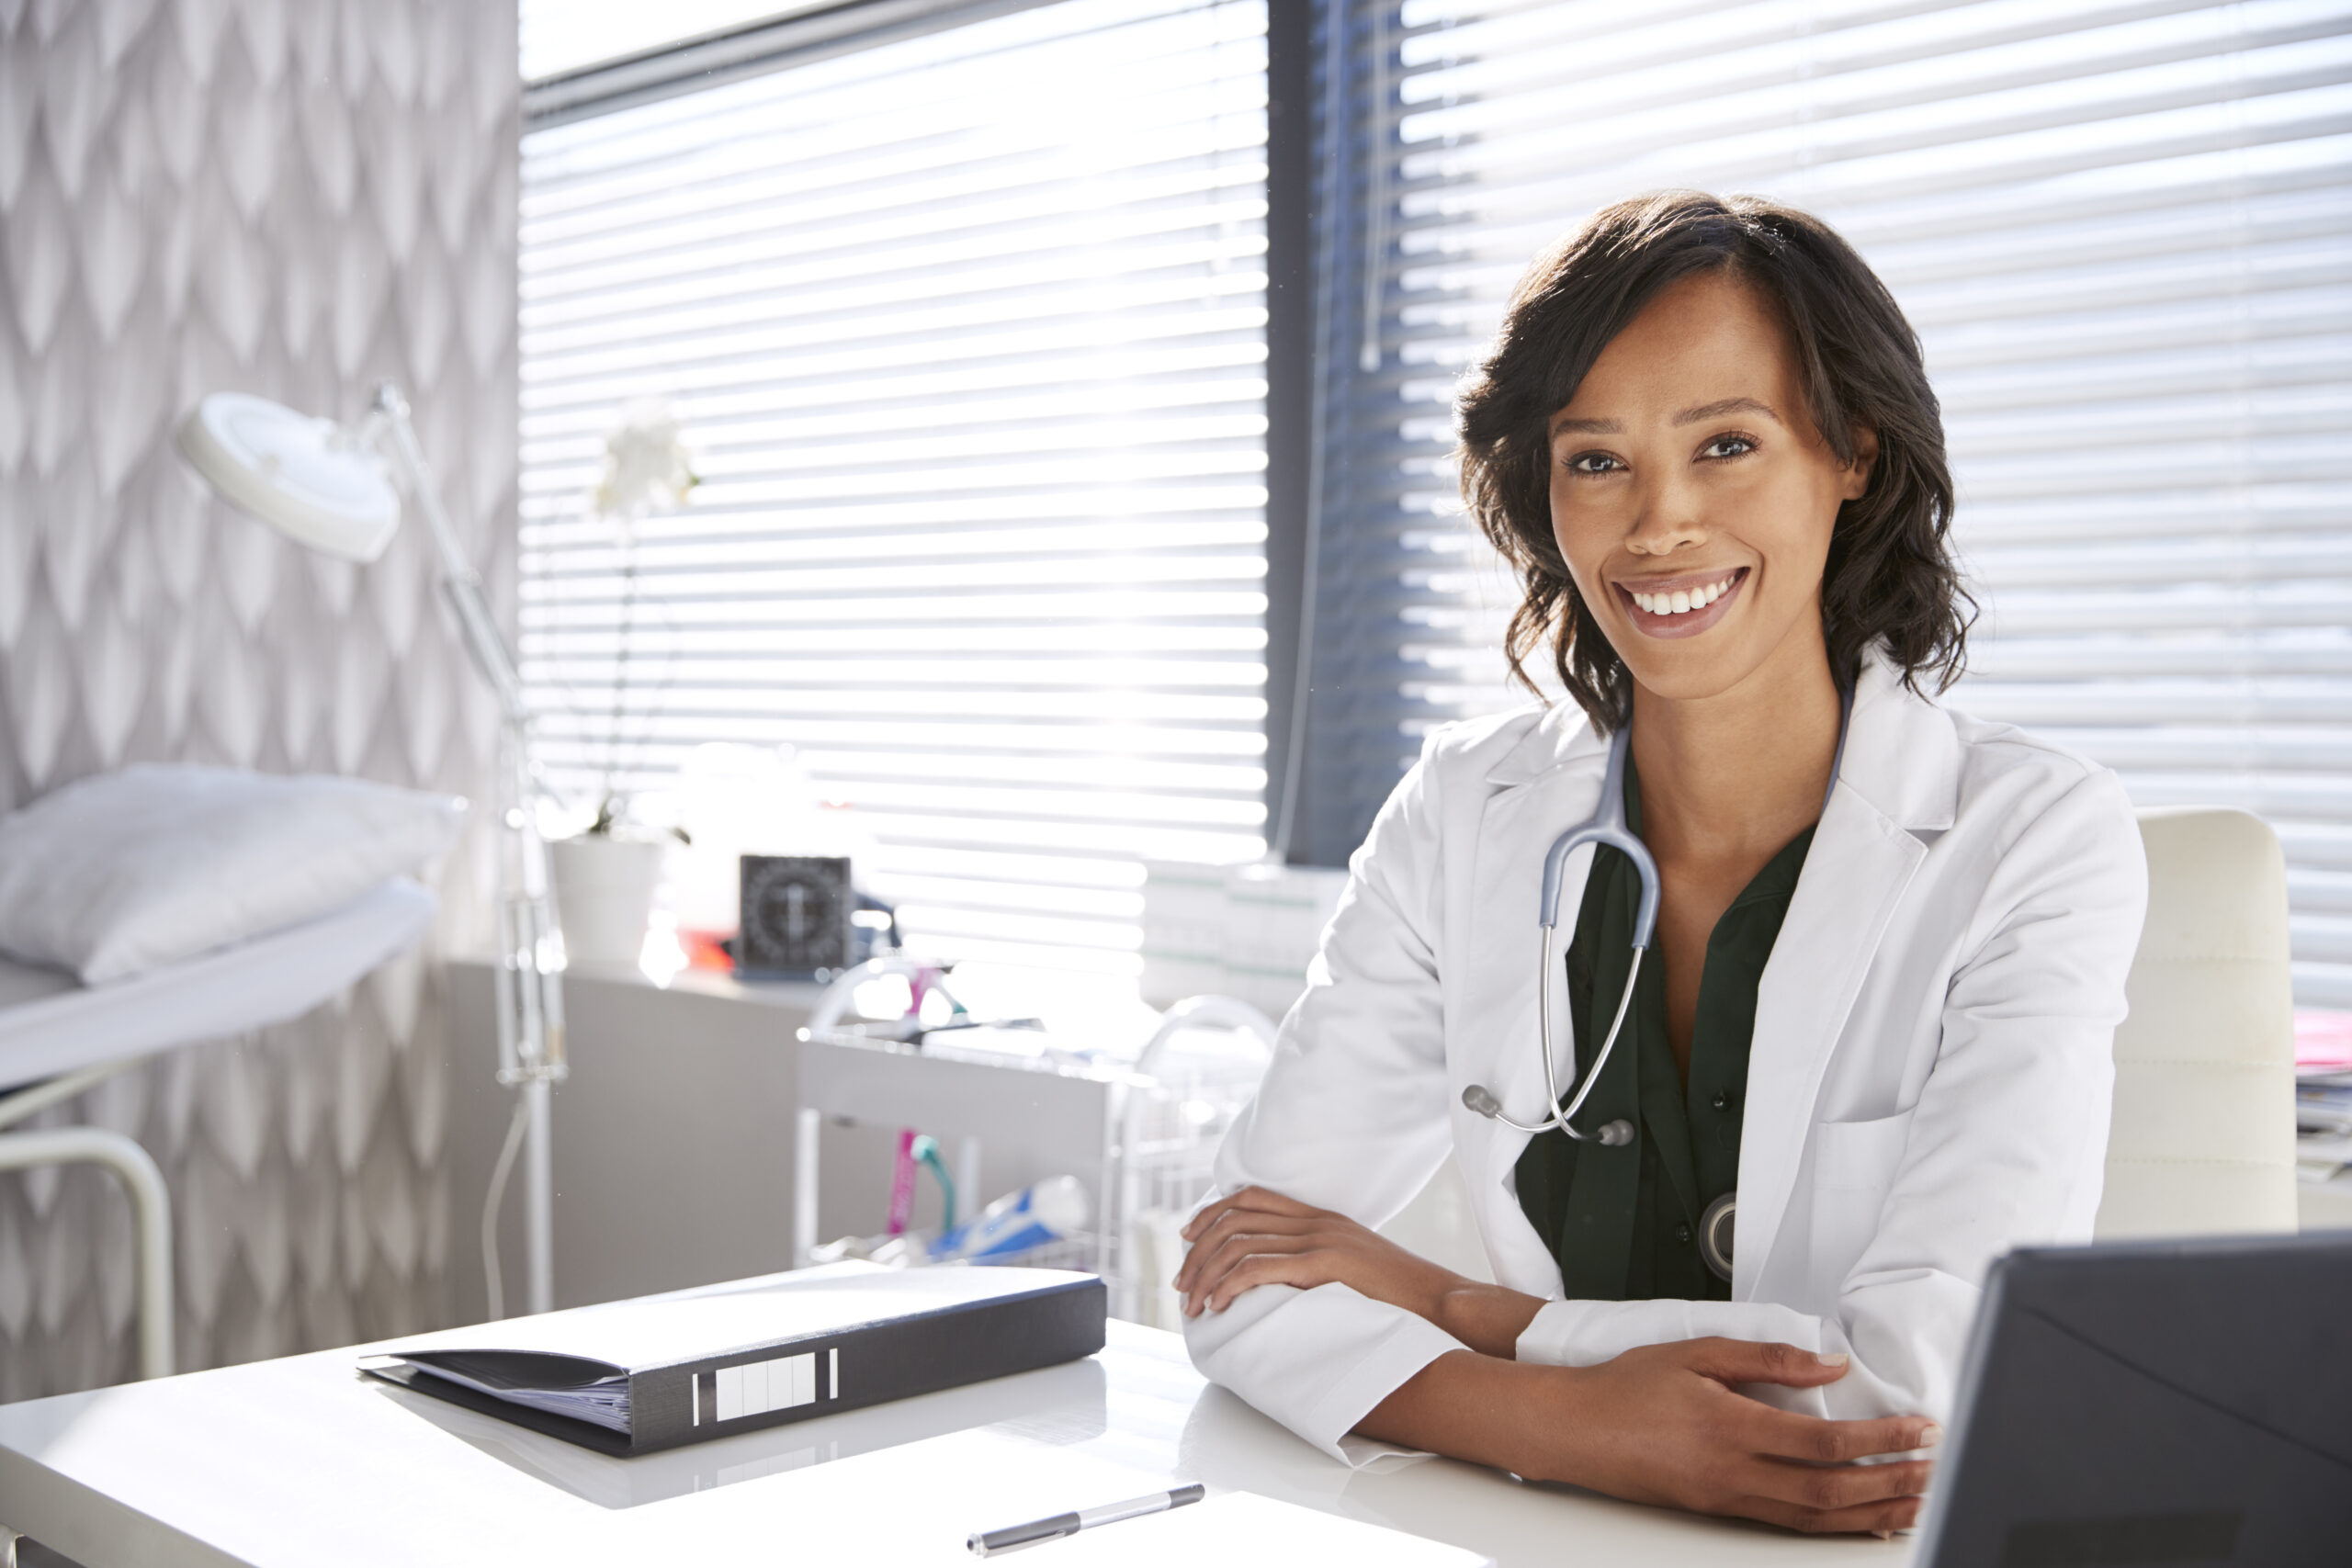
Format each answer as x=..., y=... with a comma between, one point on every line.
x=647, y=466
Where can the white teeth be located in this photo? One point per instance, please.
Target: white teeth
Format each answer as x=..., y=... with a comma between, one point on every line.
x=1681, y=601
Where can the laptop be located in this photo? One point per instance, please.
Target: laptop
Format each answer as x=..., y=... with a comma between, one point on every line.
x=2154, y=1403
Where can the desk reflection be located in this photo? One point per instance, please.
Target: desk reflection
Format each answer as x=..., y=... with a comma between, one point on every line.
x=1060, y=1404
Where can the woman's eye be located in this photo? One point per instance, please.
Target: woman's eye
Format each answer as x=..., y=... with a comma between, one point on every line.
x=1592, y=463
x=1728, y=446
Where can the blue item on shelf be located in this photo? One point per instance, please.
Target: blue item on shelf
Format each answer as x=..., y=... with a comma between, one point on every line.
x=1017, y=1223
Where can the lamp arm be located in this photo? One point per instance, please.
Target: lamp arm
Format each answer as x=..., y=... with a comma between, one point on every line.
x=460, y=583
x=532, y=1056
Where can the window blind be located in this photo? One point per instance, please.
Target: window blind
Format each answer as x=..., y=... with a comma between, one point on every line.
x=558, y=37
x=967, y=331
x=2124, y=233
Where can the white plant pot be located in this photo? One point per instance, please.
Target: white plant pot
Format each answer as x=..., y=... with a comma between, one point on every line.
x=603, y=895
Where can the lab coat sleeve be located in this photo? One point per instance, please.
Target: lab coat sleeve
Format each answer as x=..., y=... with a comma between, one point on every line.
x=2006, y=1144
x=1351, y=1117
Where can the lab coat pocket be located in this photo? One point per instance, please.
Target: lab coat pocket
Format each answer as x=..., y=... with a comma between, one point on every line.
x=1853, y=1164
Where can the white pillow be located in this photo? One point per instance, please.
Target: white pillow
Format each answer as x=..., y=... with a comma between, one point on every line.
x=116, y=874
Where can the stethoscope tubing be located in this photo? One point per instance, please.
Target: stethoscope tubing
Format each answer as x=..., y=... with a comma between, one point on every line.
x=1608, y=826
x=1613, y=1132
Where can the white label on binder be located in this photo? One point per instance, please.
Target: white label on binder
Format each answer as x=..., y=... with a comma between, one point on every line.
x=730, y=1392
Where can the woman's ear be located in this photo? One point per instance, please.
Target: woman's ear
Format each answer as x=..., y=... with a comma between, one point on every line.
x=1858, y=472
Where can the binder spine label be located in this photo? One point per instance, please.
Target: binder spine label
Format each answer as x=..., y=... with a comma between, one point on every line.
x=756, y=1388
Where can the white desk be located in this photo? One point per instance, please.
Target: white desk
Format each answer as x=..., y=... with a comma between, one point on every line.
x=302, y=1463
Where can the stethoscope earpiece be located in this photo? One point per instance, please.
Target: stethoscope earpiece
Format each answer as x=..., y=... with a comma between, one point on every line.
x=1478, y=1097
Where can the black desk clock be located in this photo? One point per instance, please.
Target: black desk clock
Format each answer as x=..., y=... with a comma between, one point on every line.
x=795, y=917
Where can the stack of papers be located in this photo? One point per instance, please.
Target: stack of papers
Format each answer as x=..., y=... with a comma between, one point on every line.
x=2323, y=1125
x=560, y=1385
x=2322, y=1094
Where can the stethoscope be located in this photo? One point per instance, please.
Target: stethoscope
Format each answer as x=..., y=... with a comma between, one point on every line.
x=1608, y=826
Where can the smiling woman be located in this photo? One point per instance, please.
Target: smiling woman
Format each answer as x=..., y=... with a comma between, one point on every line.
x=1872, y=1050
x=1852, y=392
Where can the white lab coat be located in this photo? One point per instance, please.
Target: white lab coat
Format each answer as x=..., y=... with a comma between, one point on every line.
x=1927, y=1086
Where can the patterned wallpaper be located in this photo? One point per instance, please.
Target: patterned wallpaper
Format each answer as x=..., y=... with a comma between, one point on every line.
x=292, y=197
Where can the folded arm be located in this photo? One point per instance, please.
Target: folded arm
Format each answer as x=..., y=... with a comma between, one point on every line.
x=1350, y=1119
x=1665, y=1423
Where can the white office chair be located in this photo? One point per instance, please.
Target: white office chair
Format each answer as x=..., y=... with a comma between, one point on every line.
x=2204, y=1133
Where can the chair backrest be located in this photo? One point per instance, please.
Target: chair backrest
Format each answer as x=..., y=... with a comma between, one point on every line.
x=2204, y=1134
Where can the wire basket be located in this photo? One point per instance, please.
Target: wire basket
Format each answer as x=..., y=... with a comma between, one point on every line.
x=1196, y=1077
x=1075, y=1251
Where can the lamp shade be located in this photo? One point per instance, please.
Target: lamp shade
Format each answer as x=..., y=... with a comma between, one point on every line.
x=297, y=474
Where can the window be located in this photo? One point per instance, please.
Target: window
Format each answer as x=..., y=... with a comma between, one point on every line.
x=968, y=331
x=2124, y=231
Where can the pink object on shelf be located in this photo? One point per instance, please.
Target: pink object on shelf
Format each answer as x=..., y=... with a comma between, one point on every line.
x=903, y=1184
x=2323, y=1041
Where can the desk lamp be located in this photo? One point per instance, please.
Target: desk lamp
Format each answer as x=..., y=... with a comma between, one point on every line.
x=325, y=486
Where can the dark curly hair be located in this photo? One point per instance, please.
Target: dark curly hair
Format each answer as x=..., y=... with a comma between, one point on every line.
x=1890, y=578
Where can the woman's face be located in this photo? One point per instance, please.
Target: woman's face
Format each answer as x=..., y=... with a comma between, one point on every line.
x=1693, y=499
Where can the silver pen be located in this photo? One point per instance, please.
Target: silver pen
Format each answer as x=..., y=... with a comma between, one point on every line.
x=988, y=1543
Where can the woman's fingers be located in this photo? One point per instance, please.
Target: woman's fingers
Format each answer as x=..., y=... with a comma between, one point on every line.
x=1302, y=1264
x=1750, y=1360
x=1231, y=1223
x=1247, y=1198
x=1257, y=1199
x=1872, y=1519
x=1813, y=1441
x=1816, y=1487
x=1212, y=1267
x=1832, y=1489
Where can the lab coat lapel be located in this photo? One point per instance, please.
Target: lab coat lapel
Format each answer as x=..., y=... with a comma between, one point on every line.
x=1899, y=775
x=1544, y=786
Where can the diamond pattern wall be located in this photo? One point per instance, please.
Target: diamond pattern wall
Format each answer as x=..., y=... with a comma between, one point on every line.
x=293, y=198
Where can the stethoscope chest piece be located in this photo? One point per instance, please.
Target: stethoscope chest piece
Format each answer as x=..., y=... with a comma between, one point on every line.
x=1716, y=1235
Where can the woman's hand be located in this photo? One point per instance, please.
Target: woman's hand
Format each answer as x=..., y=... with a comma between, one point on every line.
x=1255, y=1237
x=1665, y=1423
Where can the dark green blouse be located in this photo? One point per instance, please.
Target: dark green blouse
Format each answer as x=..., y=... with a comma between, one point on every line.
x=1623, y=1222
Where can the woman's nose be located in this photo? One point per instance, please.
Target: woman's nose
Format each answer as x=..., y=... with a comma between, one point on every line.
x=1669, y=519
